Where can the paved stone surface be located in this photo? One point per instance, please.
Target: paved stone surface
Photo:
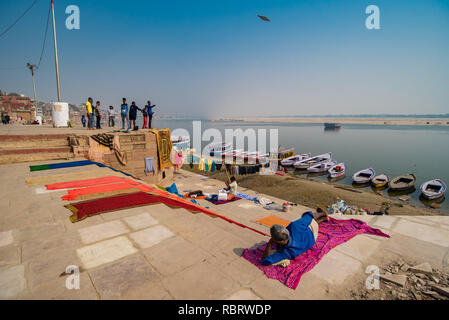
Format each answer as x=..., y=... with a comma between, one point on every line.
x=106, y=251
x=140, y=221
x=385, y=222
x=360, y=247
x=57, y=290
x=102, y=231
x=423, y=232
x=200, y=281
x=245, y=294
x=157, y=252
x=6, y=238
x=151, y=236
x=173, y=255
x=336, y=267
x=12, y=281
x=9, y=255
x=121, y=277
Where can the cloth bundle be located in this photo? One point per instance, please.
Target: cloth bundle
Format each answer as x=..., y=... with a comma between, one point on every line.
x=149, y=165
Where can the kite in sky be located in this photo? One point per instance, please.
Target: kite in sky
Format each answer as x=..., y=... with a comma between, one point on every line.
x=264, y=18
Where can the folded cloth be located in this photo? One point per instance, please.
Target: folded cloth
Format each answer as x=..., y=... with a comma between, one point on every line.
x=214, y=199
x=149, y=165
x=331, y=234
x=247, y=197
x=104, y=139
x=271, y=220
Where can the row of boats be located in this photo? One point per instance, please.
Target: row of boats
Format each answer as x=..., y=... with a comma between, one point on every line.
x=323, y=163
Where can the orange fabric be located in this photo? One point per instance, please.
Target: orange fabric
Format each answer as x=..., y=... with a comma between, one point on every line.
x=84, y=183
x=271, y=220
x=74, y=193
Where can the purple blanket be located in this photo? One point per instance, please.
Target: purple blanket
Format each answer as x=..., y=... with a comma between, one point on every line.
x=331, y=234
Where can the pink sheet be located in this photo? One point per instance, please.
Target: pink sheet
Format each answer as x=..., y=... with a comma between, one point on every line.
x=331, y=234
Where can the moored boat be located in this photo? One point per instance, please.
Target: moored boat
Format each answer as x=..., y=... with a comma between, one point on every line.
x=337, y=170
x=281, y=154
x=291, y=160
x=404, y=182
x=364, y=176
x=380, y=181
x=433, y=189
x=180, y=142
x=217, y=149
x=322, y=167
x=306, y=163
x=332, y=125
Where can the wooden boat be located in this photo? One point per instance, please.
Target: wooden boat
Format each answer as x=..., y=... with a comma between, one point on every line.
x=337, y=170
x=217, y=149
x=291, y=160
x=306, y=163
x=281, y=154
x=322, y=167
x=332, y=125
x=364, y=176
x=256, y=157
x=231, y=155
x=180, y=142
x=433, y=189
x=380, y=181
x=404, y=182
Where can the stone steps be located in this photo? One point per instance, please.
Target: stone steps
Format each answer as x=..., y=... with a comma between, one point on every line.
x=26, y=148
x=16, y=158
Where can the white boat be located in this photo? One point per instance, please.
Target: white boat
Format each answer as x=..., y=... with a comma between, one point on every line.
x=433, y=189
x=256, y=157
x=337, y=171
x=306, y=163
x=322, y=167
x=299, y=157
x=364, y=176
x=180, y=142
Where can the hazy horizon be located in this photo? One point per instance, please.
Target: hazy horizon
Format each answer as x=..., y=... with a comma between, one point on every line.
x=216, y=59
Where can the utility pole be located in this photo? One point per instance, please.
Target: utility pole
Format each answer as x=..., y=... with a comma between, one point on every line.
x=56, y=52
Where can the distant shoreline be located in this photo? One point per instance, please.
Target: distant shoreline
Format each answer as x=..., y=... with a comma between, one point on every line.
x=441, y=122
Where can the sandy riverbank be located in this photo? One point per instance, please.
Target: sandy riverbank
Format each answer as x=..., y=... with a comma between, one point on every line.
x=320, y=194
x=374, y=121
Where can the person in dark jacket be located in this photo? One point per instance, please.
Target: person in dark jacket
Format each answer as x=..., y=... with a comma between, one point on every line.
x=98, y=114
x=133, y=114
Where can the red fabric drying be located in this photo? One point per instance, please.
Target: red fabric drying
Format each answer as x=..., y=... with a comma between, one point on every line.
x=85, y=183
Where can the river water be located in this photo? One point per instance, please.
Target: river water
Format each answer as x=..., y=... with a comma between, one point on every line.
x=393, y=150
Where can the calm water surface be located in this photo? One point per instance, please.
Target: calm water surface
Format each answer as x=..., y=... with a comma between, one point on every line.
x=393, y=150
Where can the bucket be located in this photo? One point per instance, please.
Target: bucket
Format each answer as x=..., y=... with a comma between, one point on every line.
x=286, y=207
x=60, y=114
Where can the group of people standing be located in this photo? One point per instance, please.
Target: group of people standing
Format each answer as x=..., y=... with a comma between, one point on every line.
x=128, y=115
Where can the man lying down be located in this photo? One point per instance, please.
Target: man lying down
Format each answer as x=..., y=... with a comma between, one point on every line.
x=299, y=236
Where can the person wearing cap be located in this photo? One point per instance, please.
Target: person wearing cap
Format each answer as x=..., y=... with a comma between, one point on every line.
x=298, y=237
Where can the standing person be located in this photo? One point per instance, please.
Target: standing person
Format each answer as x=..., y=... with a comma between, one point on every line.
x=145, y=117
x=98, y=114
x=83, y=120
x=89, y=112
x=111, y=114
x=133, y=114
x=124, y=113
x=150, y=112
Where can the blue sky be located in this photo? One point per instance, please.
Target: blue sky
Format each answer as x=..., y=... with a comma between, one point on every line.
x=216, y=58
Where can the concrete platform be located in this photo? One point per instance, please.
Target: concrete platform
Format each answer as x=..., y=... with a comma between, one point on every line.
x=157, y=252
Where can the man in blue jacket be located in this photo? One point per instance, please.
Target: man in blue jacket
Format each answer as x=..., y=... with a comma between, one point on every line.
x=298, y=237
x=124, y=113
